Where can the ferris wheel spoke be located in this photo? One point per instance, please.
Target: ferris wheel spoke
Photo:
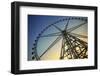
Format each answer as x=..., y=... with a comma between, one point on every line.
x=78, y=35
x=54, y=42
x=57, y=27
x=52, y=34
x=67, y=24
x=73, y=28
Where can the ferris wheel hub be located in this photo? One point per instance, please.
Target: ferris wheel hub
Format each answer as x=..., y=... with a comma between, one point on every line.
x=64, y=32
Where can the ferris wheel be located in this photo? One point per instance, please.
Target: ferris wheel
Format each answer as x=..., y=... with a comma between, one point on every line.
x=62, y=39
